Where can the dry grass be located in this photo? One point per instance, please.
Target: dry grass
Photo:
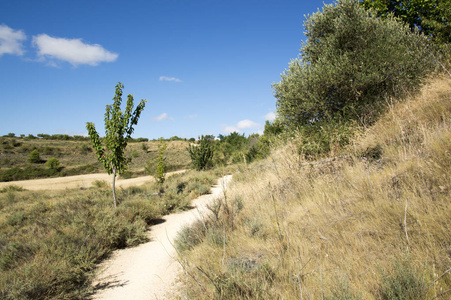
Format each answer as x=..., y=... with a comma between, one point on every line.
x=77, y=157
x=360, y=227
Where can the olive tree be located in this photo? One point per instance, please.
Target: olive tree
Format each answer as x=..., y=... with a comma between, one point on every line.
x=350, y=64
x=118, y=130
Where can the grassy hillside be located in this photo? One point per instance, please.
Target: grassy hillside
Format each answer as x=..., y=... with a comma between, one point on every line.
x=78, y=157
x=374, y=223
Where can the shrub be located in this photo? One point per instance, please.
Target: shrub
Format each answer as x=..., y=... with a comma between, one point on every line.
x=202, y=154
x=403, y=281
x=34, y=157
x=53, y=164
x=190, y=236
x=351, y=63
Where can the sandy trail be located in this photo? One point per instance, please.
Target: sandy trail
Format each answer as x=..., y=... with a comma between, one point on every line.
x=149, y=271
x=78, y=181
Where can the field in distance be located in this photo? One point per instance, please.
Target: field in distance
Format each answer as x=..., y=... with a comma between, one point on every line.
x=76, y=157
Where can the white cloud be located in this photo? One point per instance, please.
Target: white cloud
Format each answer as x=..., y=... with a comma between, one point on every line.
x=230, y=129
x=73, y=51
x=165, y=78
x=244, y=124
x=11, y=41
x=270, y=116
x=192, y=116
x=162, y=117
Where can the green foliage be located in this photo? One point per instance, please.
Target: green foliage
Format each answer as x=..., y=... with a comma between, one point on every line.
x=158, y=168
x=12, y=188
x=323, y=137
x=272, y=129
x=118, y=130
x=34, y=157
x=29, y=172
x=201, y=154
x=53, y=164
x=403, y=281
x=351, y=63
x=431, y=17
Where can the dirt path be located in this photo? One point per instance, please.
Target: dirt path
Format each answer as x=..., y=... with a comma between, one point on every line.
x=149, y=271
x=77, y=181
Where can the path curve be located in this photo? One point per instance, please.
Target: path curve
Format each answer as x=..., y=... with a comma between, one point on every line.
x=149, y=270
x=77, y=181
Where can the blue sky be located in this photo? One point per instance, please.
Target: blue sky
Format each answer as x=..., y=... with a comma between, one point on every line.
x=205, y=66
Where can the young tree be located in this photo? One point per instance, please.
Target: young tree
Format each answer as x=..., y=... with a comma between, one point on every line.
x=118, y=130
x=202, y=154
x=158, y=168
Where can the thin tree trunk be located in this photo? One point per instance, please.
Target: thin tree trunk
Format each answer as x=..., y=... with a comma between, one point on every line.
x=114, y=187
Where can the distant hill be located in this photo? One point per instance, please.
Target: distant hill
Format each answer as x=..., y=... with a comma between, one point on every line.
x=77, y=157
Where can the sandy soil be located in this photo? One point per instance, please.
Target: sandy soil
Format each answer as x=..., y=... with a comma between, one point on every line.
x=149, y=271
x=78, y=181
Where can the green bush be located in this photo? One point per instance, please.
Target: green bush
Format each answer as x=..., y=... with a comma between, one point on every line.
x=324, y=137
x=29, y=172
x=352, y=62
x=202, y=154
x=403, y=281
x=34, y=157
x=53, y=164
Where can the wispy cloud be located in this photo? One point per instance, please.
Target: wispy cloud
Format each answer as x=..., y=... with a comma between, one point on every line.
x=162, y=117
x=165, y=78
x=73, y=51
x=271, y=116
x=194, y=116
x=11, y=41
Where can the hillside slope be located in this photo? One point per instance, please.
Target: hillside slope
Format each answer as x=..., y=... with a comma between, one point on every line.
x=78, y=157
x=373, y=224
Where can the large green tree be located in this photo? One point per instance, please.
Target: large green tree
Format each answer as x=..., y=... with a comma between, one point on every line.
x=118, y=130
x=431, y=17
x=351, y=62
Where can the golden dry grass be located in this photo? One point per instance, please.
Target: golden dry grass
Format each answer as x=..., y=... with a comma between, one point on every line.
x=350, y=228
